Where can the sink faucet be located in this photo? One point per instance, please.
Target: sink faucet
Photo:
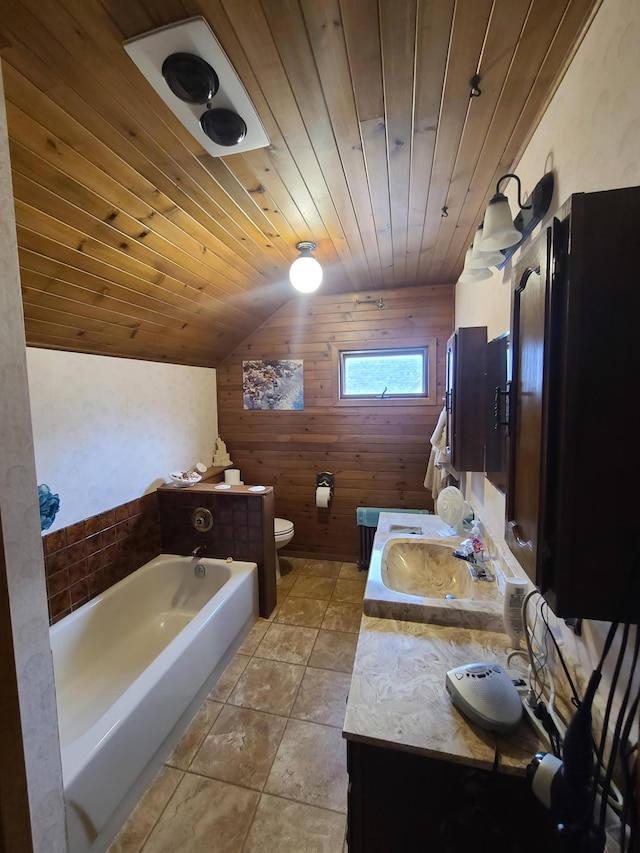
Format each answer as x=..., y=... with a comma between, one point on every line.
x=477, y=569
x=462, y=555
x=199, y=551
x=480, y=573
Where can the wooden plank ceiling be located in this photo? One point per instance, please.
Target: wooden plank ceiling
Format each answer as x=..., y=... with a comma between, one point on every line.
x=135, y=242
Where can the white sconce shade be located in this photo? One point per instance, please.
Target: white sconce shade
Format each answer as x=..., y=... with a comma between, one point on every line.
x=305, y=273
x=499, y=231
x=499, y=236
x=481, y=260
x=468, y=276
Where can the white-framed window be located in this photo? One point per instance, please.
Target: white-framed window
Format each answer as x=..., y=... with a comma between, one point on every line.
x=382, y=375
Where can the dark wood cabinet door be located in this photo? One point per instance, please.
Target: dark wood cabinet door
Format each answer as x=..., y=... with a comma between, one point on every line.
x=574, y=336
x=465, y=376
x=524, y=494
x=496, y=413
x=400, y=802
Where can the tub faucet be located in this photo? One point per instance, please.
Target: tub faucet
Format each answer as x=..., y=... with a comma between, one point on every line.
x=199, y=551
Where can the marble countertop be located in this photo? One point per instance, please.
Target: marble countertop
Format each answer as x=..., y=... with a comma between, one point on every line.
x=398, y=698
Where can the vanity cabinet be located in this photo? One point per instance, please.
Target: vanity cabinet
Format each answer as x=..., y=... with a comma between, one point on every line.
x=408, y=802
x=464, y=397
x=575, y=365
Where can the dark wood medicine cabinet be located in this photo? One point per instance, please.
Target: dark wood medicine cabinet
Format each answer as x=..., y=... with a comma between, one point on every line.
x=571, y=482
x=496, y=410
x=464, y=397
x=477, y=376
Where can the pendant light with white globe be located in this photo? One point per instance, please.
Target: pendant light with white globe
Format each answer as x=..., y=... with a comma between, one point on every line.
x=305, y=273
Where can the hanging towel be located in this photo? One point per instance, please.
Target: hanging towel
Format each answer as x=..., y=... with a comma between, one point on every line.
x=438, y=450
x=439, y=437
x=439, y=466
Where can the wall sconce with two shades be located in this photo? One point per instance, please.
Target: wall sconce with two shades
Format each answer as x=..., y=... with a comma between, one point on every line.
x=499, y=235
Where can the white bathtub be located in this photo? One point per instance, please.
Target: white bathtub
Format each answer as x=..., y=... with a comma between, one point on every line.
x=131, y=666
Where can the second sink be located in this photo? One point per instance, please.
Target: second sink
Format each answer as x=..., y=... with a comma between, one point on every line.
x=427, y=569
x=419, y=580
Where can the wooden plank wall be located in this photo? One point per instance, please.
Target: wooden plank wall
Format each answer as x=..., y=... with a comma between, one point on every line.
x=378, y=453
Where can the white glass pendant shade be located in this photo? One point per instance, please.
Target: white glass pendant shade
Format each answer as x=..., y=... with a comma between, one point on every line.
x=481, y=260
x=499, y=232
x=305, y=273
x=469, y=275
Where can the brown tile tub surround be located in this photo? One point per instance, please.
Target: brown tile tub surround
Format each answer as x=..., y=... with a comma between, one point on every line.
x=85, y=558
x=242, y=529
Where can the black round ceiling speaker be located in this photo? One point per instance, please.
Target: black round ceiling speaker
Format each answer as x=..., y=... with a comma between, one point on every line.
x=190, y=78
x=224, y=127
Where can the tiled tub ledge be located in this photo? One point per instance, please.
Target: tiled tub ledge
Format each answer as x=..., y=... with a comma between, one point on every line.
x=86, y=558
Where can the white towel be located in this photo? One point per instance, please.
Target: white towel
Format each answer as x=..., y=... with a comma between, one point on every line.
x=439, y=437
x=439, y=467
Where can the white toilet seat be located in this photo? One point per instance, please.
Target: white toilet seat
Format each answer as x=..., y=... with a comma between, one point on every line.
x=283, y=534
x=282, y=528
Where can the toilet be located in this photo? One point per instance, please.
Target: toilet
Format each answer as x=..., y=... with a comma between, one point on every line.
x=283, y=529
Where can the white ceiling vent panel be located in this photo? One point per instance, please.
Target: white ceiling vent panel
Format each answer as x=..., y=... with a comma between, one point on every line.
x=223, y=108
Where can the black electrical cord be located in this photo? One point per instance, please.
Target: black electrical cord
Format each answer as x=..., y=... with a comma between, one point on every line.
x=629, y=791
x=607, y=644
x=577, y=755
x=605, y=725
x=496, y=755
x=579, y=747
x=541, y=712
x=628, y=797
x=537, y=662
x=561, y=659
x=616, y=741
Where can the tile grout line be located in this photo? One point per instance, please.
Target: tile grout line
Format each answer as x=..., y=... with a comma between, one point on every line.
x=289, y=717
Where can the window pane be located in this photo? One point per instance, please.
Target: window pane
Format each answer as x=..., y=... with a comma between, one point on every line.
x=378, y=372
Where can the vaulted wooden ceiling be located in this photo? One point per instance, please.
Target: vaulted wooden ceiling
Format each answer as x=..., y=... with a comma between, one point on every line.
x=135, y=242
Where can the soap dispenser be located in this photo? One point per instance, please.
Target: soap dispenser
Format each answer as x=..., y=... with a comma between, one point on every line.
x=476, y=542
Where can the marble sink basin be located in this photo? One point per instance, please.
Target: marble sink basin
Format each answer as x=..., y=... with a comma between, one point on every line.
x=411, y=577
x=427, y=569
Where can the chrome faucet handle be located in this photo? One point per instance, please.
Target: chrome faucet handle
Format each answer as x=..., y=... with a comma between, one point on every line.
x=479, y=572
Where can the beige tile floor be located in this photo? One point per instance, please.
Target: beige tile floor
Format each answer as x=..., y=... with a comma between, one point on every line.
x=262, y=766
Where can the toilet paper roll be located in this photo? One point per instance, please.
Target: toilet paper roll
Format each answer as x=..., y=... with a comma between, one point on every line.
x=232, y=476
x=323, y=496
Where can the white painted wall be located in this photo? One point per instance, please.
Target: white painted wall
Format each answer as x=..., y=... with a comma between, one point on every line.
x=108, y=430
x=589, y=138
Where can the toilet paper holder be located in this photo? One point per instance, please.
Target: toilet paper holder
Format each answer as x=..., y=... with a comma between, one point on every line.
x=325, y=479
